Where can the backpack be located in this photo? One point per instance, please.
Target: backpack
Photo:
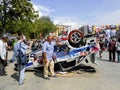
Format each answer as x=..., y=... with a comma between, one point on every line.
x=22, y=57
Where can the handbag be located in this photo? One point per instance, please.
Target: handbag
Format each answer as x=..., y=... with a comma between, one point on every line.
x=22, y=57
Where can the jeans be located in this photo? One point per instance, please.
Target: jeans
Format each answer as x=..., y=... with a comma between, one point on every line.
x=2, y=67
x=118, y=55
x=21, y=73
x=112, y=56
x=13, y=58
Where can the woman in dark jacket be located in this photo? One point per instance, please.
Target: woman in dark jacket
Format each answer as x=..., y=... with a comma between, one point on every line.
x=112, y=49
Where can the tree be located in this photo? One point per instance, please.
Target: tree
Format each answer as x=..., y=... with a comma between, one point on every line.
x=4, y=8
x=42, y=25
x=15, y=14
x=20, y=16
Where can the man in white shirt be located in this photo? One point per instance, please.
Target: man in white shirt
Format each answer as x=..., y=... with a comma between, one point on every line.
x=113, y=32
x=2, y=56
x=48, y=51
x=108, y=33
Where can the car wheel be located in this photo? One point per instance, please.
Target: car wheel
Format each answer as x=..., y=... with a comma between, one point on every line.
x=75, y=38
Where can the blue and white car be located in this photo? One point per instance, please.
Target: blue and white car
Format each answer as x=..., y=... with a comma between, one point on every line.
x=66, y=56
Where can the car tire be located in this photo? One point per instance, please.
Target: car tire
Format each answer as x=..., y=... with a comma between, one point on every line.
x=75, y=38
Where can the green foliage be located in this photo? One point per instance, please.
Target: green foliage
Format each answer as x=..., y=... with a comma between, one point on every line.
x=16, y=15
x=43, y=25
x=19, y=16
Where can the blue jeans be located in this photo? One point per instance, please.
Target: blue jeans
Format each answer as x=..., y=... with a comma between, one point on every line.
x=22, y=74
x=2, y=67
x=14, y=58
x=118, y=54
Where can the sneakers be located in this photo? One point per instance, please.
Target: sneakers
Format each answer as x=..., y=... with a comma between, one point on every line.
x=21, y=83
x=47, y=78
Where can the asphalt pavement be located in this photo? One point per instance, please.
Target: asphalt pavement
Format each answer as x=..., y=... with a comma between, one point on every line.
x=106, y=77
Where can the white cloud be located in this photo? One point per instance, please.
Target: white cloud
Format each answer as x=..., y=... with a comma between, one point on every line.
x=100, y=16
x=37, y=9
x=112, y=17
x=43, y=10
x=74, y=23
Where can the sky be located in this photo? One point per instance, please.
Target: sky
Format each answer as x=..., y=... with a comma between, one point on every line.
x=80, y=12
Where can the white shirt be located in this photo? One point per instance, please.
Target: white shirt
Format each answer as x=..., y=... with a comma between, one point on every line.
x=2, y=50
x=113, y=32
x=108, y=33
x=118, y=46
x=49, y=49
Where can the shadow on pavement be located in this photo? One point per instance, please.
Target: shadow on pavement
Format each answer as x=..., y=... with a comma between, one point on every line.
x=81, y=67
x=39, y=73
x=84, y=68
x=15, y=76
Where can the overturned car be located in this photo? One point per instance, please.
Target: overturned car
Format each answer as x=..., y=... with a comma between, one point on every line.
x=76, y=49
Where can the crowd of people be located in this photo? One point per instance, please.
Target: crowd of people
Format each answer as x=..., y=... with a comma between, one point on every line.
x=107, y=41
x=21, y=45
x=3, y=55
x=110, y=42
